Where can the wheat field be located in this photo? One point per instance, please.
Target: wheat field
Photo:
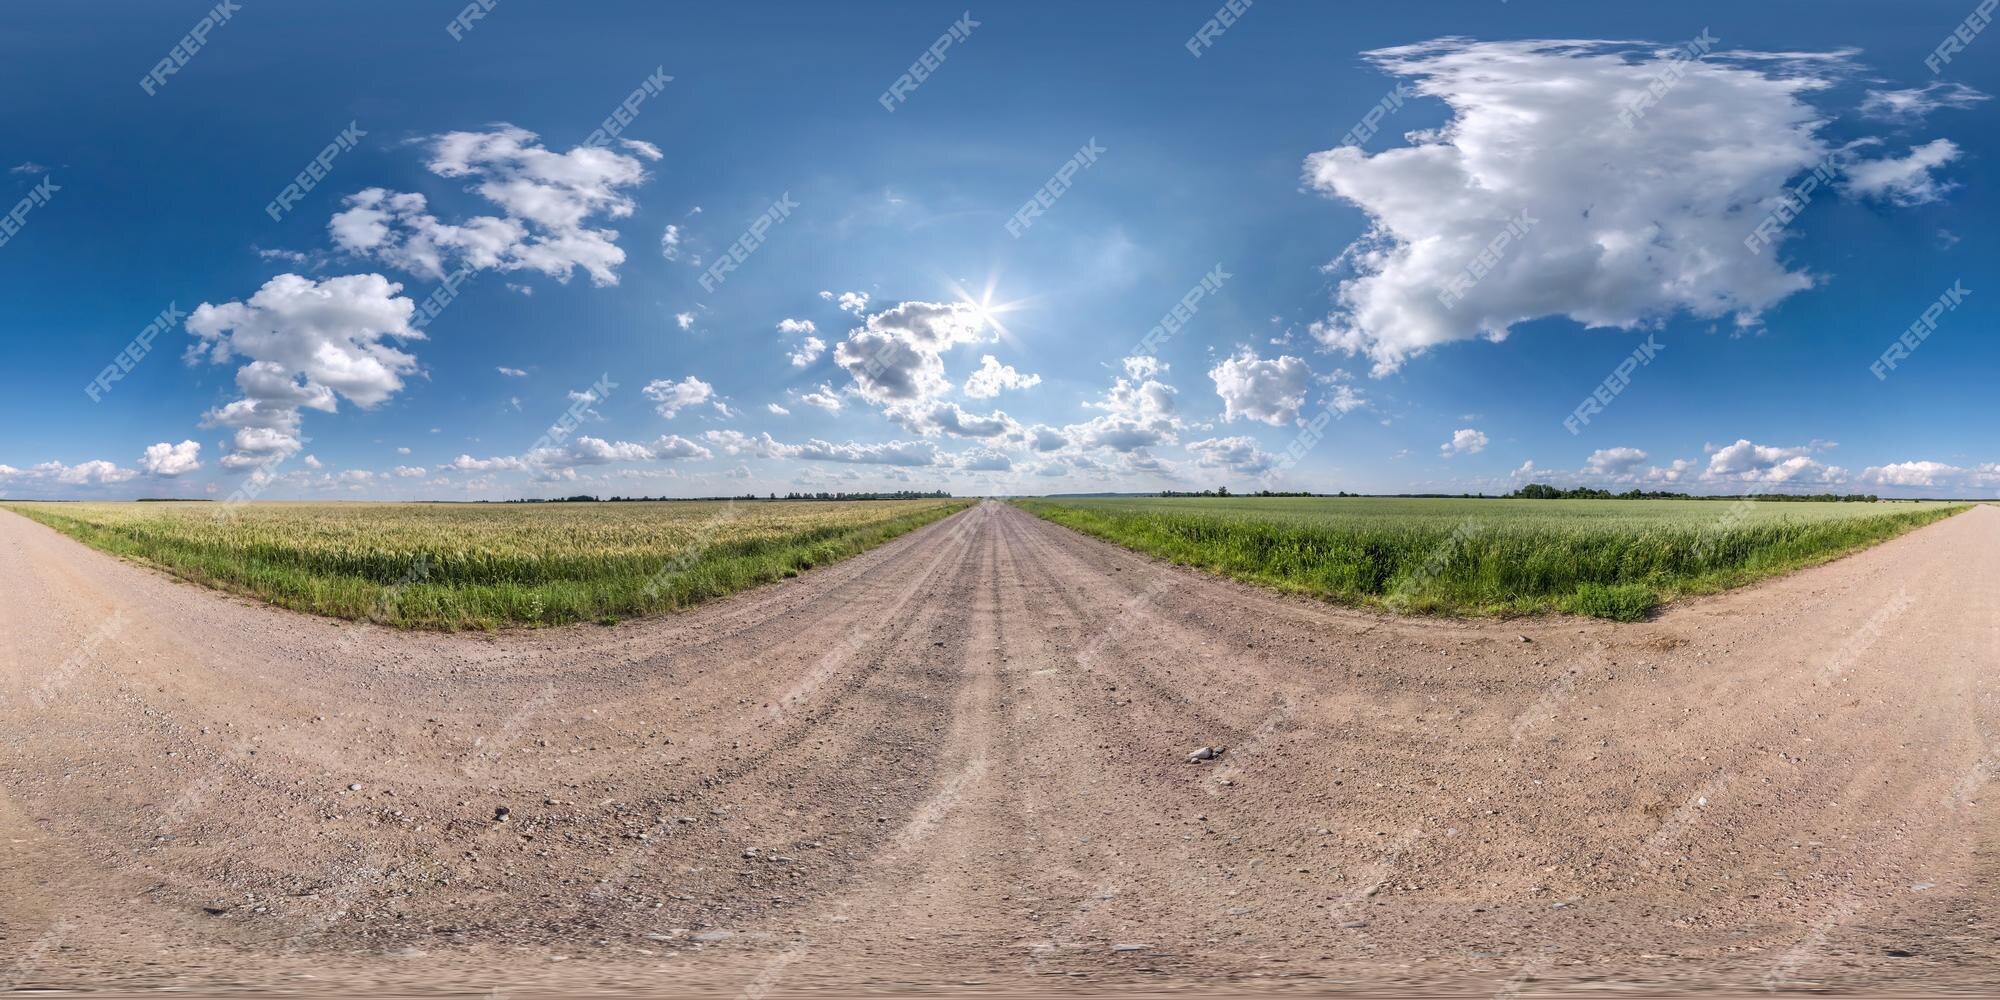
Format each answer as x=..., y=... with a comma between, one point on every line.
x=1615, y=559
x=458, y=566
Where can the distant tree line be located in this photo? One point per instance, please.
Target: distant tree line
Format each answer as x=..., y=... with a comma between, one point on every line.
x=1543, y=491
x=1817, y=497
x=1223, y=491
x=894, y=495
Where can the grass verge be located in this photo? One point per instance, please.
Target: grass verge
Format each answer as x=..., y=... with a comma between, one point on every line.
x=1489, y=557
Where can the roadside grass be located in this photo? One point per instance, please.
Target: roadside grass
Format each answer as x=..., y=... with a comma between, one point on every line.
x=448, y=566
x=1615, y=559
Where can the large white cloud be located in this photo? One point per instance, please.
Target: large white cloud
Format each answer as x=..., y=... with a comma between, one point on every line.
x=1934, y=475
x=1612, y=222
x=169, y=460
x=549, y=200
x=1253, y=388
x=1748, y=462
x=896, y=355
x=96, y=471
x=306, y=342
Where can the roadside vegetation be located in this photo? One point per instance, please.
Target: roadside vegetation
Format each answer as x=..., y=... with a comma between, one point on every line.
x=457, y=566
x=1616, y=559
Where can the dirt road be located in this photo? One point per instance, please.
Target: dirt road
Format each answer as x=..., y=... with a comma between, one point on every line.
x=962, y=758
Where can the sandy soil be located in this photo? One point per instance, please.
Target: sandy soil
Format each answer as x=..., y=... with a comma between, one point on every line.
x=960, y=762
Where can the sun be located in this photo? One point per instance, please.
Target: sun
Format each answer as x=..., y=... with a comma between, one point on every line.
x=989, y=310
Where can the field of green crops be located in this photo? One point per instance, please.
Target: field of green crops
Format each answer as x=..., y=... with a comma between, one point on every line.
x=479, y=566
x=1614, y=559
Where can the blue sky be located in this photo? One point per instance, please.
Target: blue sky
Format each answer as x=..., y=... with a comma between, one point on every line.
x=1341, y=340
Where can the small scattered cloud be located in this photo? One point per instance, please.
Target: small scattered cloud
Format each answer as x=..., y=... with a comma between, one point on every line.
x=807, y=352
x=1918, y=102
x=823, y=397
x=1906, y=180
x=670, y=397
x=992, y=378
x=1239, y=455
x=1465, y=441
x=854, y=302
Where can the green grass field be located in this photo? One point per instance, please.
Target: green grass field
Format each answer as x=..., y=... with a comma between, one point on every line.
x=478, y=566
x=1615, y=559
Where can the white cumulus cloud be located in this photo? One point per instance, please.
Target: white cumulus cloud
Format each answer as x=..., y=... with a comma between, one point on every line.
x=993, y=377
x=1747, y=462
x=1630, y=222
x=1139, y=412
x=1905, y=180
x=823, y=397
x=306, y=342
x=670, y=397
x=1465, y=441
x=807, y=352
x=1614, y=462
x=550, y=203
x=1270, y=391
x=1239, y=455
x=169, y=460
x=854, y=302
x=896, y=355
x=1940, y=476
